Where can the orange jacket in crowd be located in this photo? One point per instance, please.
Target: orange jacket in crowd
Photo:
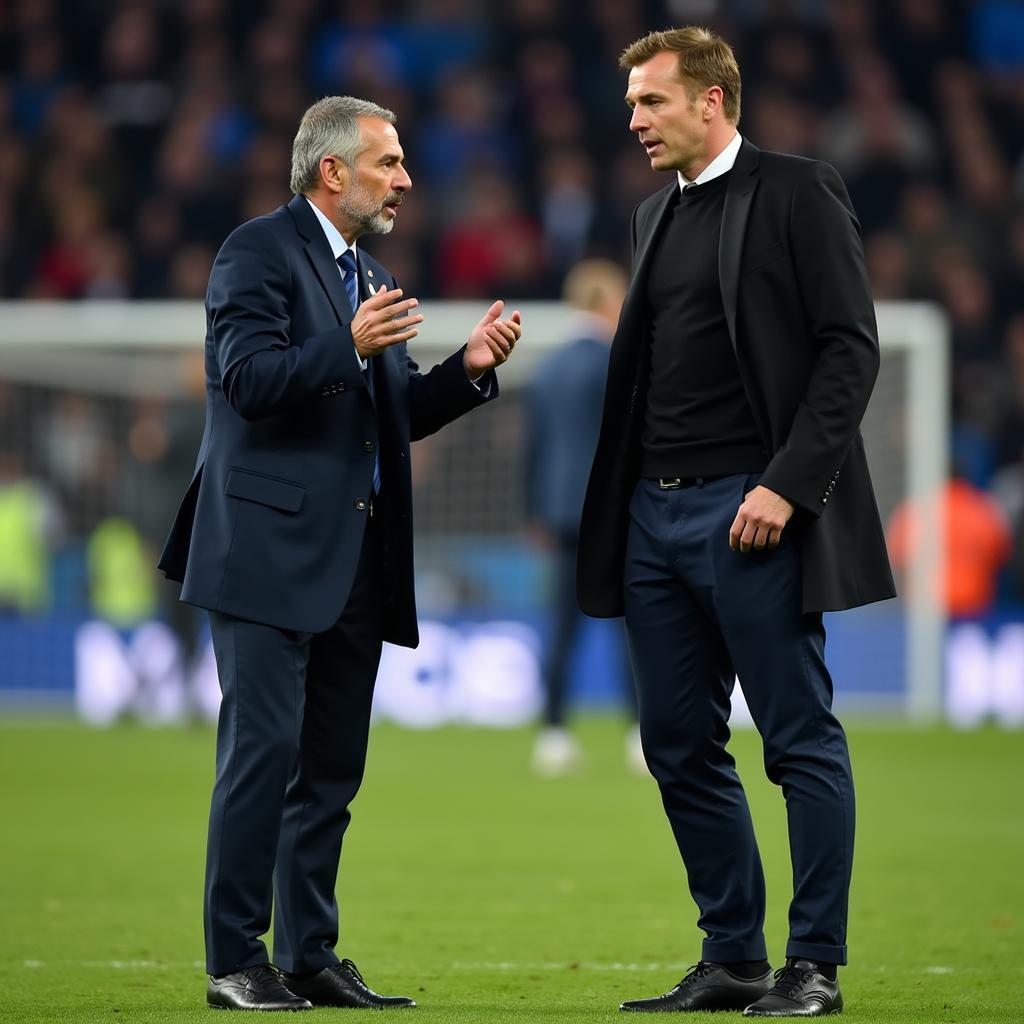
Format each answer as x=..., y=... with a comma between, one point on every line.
x=977, y=541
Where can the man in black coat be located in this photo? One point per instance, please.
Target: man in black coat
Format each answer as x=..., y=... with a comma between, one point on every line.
x=730, y=504
x=296, y=535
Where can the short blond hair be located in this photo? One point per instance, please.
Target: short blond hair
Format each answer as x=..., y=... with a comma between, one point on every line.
x=705, y=59
x=591, y=283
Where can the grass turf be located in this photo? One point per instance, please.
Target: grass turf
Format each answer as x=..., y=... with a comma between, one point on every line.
x=490, y=895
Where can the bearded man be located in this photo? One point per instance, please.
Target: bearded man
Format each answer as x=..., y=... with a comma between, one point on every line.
x=296, y=535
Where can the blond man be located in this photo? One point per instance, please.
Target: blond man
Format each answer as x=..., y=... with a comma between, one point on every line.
x=730, y=504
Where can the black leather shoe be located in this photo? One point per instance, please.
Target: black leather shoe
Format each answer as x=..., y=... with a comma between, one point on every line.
x=800, y=990
x=343, y=985
x=707, y=987
x=254, y=988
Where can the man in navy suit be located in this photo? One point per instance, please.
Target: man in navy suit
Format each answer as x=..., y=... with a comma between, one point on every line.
x=296, y=535
x=563, y=418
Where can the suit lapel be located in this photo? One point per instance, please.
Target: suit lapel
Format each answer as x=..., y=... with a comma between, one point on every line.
x=738, y=196
x=633, y=303
x=318, y=251
x=384, y=367
x=369, y=281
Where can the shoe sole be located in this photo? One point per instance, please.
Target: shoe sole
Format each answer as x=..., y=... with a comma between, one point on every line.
x=257, y=1009
x=790, y=1016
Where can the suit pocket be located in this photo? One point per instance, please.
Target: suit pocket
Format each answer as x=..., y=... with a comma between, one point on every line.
x=265, y=490
x=762, y=257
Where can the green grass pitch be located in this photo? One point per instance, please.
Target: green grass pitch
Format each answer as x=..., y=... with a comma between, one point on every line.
x=490, y=895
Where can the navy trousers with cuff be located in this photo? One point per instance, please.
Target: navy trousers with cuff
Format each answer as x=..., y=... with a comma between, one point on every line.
x=697, y=615
x=291, y=748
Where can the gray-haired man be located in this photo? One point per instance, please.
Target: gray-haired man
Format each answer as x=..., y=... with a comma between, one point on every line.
x=296, y=535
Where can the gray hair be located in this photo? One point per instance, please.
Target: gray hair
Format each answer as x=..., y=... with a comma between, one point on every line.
x=330, y=127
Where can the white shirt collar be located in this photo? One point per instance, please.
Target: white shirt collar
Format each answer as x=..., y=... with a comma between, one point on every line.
x=719, y=166
x=335, y=238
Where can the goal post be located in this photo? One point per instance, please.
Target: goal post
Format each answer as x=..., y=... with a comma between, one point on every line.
x=920, y=332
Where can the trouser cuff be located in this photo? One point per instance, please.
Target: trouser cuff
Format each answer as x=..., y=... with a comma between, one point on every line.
x=293, y=965
x=718, y=952
x=218, y=970
x=817, y=951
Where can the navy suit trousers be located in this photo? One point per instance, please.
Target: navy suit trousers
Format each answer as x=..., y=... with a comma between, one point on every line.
x=698, y=614
x=291, y=747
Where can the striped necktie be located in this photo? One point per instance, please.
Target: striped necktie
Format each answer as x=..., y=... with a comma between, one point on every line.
x=347, y=262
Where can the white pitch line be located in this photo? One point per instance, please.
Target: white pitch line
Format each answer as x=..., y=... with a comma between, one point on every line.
x=505, y=965
x=116, y=965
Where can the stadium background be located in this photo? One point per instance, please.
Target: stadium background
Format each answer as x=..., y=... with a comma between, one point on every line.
x=135, y=135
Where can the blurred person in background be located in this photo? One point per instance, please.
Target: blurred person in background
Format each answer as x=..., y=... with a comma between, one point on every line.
x=730, y=504
x=163, y=439
x=563, y=417
x=976, y=545
x=30, y=526
x=296, y=535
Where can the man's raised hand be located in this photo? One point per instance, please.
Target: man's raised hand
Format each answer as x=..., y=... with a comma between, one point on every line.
x=491, y=341
x=382, y=321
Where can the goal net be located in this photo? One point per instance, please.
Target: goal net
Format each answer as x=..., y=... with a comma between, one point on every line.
x=100, y=417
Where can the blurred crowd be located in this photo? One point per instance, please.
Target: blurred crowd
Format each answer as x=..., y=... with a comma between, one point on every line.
x=135, y=135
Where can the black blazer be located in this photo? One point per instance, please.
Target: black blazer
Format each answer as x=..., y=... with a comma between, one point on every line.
x=800, y=316
x=271, y=526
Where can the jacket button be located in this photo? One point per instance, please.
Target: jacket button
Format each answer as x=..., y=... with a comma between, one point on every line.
x=361, y=504
x=367, y=446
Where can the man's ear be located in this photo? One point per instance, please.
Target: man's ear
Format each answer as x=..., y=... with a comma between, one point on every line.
x=334, y=173
x=712, y=101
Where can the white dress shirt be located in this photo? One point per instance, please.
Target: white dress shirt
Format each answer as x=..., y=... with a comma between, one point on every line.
x=336, y=240
x=722, y=163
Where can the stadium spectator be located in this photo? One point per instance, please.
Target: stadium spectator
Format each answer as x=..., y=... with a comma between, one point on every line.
x=30, y=526
x=976, y=546
x=494, y=246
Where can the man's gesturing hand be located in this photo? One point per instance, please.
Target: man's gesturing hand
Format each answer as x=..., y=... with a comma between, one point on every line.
x=382, y=320
x=760, y=520
x=492, y=341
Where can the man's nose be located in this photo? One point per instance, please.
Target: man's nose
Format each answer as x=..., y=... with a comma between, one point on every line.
x=402, y=182
x=637, y=122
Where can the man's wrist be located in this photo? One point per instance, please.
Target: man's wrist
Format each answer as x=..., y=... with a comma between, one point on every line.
x=475, y=376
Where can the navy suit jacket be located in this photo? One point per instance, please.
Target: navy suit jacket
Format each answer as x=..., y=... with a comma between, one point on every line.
x=271, y=526
x=563, y=420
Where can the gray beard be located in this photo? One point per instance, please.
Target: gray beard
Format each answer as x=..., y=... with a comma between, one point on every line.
x=358, y=206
